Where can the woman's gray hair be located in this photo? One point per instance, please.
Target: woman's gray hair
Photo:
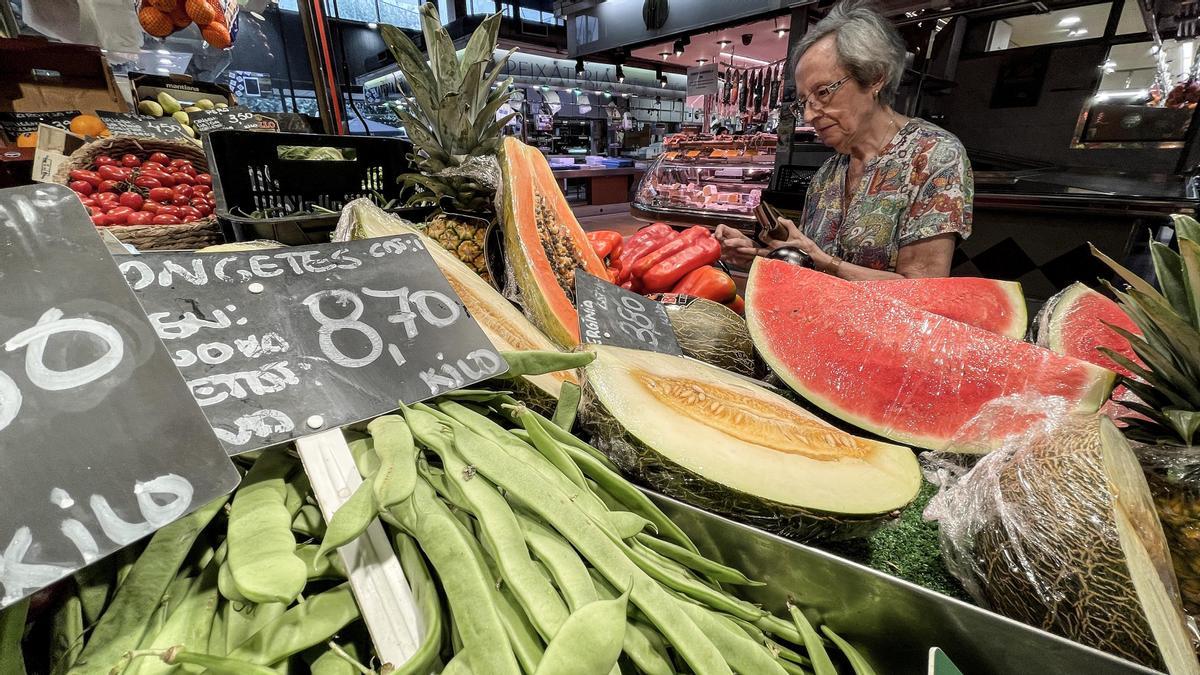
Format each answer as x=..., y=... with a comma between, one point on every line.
x=867, y=44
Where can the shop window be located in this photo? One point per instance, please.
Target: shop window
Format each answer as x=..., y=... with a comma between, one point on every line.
x=1131, y=20
x=1064, y=25
x=1145, y=96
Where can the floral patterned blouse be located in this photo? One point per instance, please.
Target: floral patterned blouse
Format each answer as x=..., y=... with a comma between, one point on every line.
x=918, y=187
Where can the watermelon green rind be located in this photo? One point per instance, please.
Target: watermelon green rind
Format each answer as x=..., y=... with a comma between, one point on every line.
x=990, y=304
x=912, y=333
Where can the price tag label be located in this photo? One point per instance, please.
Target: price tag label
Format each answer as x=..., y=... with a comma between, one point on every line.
x=231, y=118
x=278, y=344
x=100, y=442
x=142, y=126
x=16, y=123
x=611, y=315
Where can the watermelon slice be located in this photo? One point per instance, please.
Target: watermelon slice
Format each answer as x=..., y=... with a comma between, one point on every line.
x=898, y=371
x=996, y=306
x=1073, y=323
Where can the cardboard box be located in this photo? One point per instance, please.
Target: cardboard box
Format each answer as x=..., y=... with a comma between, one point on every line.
x=183, y=88
x=54, y=147
x=41, y=76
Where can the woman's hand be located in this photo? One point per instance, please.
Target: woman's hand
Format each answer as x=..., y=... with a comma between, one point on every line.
x=796, y=238
x=736, y=248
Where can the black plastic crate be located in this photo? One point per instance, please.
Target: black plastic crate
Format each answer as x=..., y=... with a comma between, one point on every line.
x=249, y=175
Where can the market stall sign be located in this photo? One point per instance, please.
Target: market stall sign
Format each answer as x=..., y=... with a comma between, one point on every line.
x=16, y=123
x=940, y=664
x=702, y=80
x=231, y=118
x=278, y=344
x=100, y=442
x=611, y=315
x=142, y=126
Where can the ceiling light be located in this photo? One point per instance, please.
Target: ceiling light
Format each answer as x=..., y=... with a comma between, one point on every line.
x=579, y=68
x=664, y=55
x=608, y=94
x=663, y=81
x=679, y=47
x=1076, y=32
x=372, y=25
x=545, y=87
x=782, y=31
x=702, y=61
x=577, y=91
x=162, y=51
x=620, y=73
x=1067, y=21
x=166, y=62
x=625, y=95
x=162, y=70
x=723, y=44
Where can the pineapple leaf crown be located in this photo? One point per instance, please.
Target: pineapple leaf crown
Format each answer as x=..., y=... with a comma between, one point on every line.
x=1168, y=379
x=452, y=116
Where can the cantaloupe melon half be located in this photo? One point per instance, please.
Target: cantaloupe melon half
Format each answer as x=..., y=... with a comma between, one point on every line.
x=1060, y=532
x=504, y=324
x=716, y=440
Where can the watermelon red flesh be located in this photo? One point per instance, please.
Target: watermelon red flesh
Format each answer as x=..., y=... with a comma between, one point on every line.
x=996, y=306
x=1076, y=327
x=898, y=371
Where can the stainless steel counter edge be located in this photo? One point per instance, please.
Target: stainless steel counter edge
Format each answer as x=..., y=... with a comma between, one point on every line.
x=893, y=621
x=589, y=172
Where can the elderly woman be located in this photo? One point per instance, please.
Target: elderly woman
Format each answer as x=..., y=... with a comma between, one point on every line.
x=895, y=199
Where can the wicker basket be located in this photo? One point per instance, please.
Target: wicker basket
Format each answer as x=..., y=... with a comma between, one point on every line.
x=192, y=235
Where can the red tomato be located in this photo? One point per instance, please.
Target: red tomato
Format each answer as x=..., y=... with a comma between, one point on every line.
x=89, y=176
x=153, y=166
x=151, y=207
x=111, y=172
x=189, y=170
x=202, y=189
x=81, y=186
x=93, y=211
x=130, y=161
x=162, y=194
x=204, y=178
x=100, y=220
x=161, y=219
x=180, y=200
x=182, y=178
x=105, y=197
x=185, y=190
x=162, y=177
x=179, y=162
x=160, y=158
x=139, y=218
x=86, y=201
x=202, y=206
x=168, y=210
x=118, y=215
x=108, y=186
x=147, y=182
x=104, y=160
x=189, y=213
x=131, y=199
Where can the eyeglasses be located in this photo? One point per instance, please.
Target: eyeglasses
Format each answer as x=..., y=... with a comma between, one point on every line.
x=822, y=95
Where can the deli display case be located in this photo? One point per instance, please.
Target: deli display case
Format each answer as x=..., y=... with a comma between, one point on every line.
x=707, y=180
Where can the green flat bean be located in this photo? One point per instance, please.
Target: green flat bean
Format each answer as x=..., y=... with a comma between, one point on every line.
x=527, y=645
x=351, y=519
x=95, y=584
x=643, y=645
x=212, y=665
x=627, y=525
x=397, y=475
x=549, y=448
x=590, y=641
x=176, y=593
x=297, y=490
x=743, y=654
x=821, y=663
x=309, y=623
x=451, y=551
x=860, y=665
x=711, y=569
x=565, y=516
x=501, y=529
x=12, y=630
x=262, y=550
x=66, y=635
x=459, y=665
x=122, y=626
x=568, y=406
x=228, y=589
x=525, y=363
x=689, y=586
x=243, y=621
x=425, y=594
x=216, y=633
x=559, y=434
x=187, y=626
x=320, y=566
x=309, y=522
x=363, y=451
x=329, y=663
x=562, y=561
x=757, y=634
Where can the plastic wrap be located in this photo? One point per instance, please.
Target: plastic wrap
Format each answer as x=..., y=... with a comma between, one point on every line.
x=1173, y=473
x=1056, y=528
x=901, y=372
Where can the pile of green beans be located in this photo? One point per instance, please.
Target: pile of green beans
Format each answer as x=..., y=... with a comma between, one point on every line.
x=526, y=552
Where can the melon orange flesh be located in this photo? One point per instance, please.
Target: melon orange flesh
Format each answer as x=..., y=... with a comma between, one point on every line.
x=528, y=180
x=898, y=371
x=996, y=306
x=1077, y=328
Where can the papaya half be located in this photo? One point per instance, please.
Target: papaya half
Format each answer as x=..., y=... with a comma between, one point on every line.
x=544, y=243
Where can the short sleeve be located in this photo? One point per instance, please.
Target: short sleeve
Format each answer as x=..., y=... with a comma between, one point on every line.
x=943, y=192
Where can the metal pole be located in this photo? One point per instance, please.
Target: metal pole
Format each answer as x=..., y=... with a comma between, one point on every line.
x=320, y=74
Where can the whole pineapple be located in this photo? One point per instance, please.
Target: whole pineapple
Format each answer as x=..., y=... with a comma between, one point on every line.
x=1168, y=384
x=451, y=120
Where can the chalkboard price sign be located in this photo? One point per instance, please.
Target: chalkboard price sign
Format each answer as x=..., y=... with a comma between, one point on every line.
x=142, y=126
x=611, y=315
x=16, y=123
x=278, y=344
x=231, y=118
x=100, y=442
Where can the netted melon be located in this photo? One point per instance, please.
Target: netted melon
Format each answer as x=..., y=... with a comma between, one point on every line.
x=1059, y=531
x=716, y=440
x=710, y=332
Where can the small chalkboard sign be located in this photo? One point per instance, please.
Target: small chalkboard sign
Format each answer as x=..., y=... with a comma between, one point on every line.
x=16, y=123
x=940, y=664
x=611, y=315
x=231, y=118
x=142, y=126
x=278, y=344
x=100, y=442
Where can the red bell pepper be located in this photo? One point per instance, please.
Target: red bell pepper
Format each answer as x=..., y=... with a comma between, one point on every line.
x=667, y=273
x=644, y=240
x=668, y=249
x=606, y=243
x=709, y=283
x=738, y=304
